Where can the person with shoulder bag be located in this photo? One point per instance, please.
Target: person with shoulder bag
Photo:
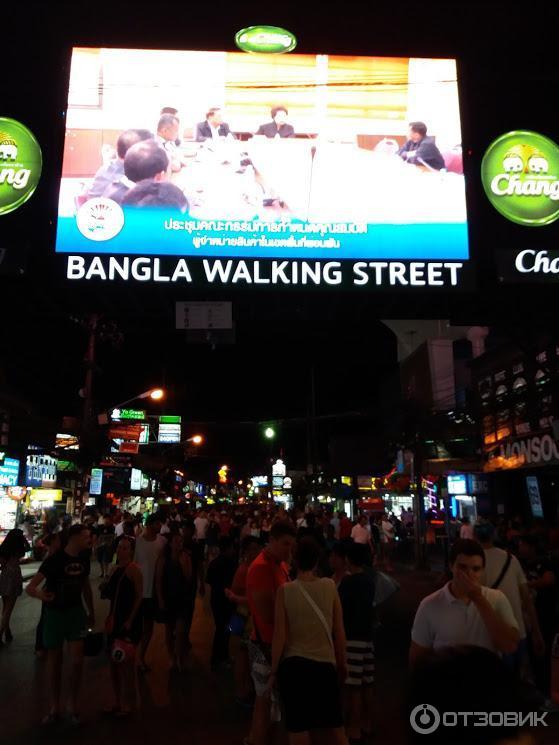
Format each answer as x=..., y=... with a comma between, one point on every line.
x=503, y=572
x=309, y=651
x=123, y=626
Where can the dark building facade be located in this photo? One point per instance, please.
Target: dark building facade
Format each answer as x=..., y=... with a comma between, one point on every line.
x=516, y=392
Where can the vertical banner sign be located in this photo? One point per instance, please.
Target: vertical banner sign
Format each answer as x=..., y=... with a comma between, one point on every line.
x=534, y=496
x=96, y=481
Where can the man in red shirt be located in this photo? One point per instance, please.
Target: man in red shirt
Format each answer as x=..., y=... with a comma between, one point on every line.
x=224, y=524
x=345, y=526
x=268, y=572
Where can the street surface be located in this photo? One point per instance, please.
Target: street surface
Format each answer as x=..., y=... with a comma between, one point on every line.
x=197, y=707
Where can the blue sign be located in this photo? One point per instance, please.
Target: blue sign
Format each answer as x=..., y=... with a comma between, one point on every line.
x=40, y=471
x=96, y=481
x=457, y=484
x=534, y=496
x=9, y=472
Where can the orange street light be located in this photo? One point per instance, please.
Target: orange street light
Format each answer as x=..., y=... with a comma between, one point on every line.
x=197, y=439
x=156, y=394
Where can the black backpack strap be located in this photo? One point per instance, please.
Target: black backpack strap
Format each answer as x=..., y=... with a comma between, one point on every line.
x=504, y=570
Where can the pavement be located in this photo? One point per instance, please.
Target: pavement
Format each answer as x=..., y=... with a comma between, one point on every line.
x=197, y=706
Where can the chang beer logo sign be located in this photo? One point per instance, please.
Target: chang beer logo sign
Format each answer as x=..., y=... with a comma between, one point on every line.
x=20, y=164
x=520, y=175
x=265, y=40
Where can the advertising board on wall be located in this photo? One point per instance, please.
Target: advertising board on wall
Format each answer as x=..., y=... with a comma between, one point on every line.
x=9, y=471
x=540, y=450
x=520, y=176
x=314, y=180
x=96, y=481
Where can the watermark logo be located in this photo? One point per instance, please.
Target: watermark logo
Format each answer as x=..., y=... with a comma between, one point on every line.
x=426, y=719
x=20, y=164
x=100, y=219
x=520, y=175
x=265, y=40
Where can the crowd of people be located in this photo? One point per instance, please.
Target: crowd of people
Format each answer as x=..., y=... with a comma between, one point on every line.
x=297, y=591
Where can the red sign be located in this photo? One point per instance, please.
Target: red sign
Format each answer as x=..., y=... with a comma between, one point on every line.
x=128, y=447
x=375, y=504
x=125, y=432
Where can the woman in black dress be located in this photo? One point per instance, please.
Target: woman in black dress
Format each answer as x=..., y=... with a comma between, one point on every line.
x=173, y=579
x=125, y=591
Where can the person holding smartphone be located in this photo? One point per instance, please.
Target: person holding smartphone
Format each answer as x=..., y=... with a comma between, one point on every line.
x=463, y=612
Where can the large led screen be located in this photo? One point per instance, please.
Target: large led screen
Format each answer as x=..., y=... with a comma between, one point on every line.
x=230, y=155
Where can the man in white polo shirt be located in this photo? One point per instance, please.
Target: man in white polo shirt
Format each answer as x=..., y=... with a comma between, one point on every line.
x=464, y=612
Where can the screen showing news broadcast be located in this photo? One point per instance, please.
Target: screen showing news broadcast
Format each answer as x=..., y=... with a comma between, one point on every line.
x=190, y=153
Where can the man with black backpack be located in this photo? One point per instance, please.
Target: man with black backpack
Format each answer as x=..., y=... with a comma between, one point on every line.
x=503, y=572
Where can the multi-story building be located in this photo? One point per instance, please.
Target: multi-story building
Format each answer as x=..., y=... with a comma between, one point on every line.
x=516, y=396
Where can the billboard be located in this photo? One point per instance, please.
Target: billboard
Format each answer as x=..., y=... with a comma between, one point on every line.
x=520, y=176
x=135, y=479
x=224, y=168
x=457, y=484
x=169, y=433
x=9, y=470
x=40, y=470
x=96, y=481
x=534, y=495
x=67, y=442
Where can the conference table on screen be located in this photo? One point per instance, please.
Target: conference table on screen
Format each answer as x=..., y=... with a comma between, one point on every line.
x=318, y=181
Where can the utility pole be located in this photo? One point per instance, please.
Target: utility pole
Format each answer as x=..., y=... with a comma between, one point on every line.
x=87, y=419
x=89, y=370
x=418, y=507
x=313, y=435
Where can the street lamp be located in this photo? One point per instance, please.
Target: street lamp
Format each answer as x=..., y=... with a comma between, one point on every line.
x=156, y=394
x=196, y=440
x=269, y=433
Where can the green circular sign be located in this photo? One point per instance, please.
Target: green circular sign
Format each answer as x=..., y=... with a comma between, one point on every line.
x=520, y=175
x=265, y=40
x=20, y=164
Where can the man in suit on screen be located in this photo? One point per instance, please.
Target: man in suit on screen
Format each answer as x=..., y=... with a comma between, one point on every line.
x=214, y=127
x=421, y=150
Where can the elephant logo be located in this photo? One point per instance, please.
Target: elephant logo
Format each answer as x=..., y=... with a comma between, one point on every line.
x=524, y=158
x=8, y=147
